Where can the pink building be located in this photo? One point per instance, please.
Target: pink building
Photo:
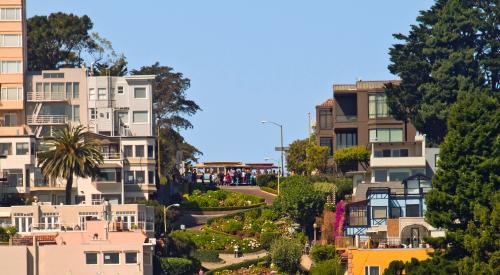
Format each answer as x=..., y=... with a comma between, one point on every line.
x=103, y=242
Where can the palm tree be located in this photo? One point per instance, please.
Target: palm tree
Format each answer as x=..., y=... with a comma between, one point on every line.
x=71, y=152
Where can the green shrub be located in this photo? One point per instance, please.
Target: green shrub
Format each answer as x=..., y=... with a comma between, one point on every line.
x=7, y=233
x=181, y=245
x=329, y=267
x=236, y=266
x=269, y=190
x=265, y=179
x=232, y=226
x=266, y=238
x=219, y=198
x=179, y=266
x=286, y=253
x=211, y=256
x=320, y=253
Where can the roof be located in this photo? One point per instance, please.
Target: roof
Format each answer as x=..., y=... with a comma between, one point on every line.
x=364, y=85
x=328, y=103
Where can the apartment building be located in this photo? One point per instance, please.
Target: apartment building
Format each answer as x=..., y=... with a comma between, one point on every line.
x=12, y=67
x=357, y=114
x=79, y=239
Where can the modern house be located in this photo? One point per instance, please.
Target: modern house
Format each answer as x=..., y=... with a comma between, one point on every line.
x=33, y=105
x=357, y=114
x=79, y=239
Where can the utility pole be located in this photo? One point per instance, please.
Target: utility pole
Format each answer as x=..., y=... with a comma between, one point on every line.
x=158, y=151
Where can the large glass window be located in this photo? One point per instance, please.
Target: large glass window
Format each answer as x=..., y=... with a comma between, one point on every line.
x=357, y=216
x=325, y=119
x=127, y=151
x=140, y=177
x=130, y=257
x=140, y=116
x=108, y=175
x=377, y=106
x=139, y=151
x=413, y=210
x=379, y=212
x=386, y=135
x=10, y=14
x=23, y=222
x=327, y=142
x=22, y=148
x=111, y=258
x=11, y=67
x=139, y=92
x=398, y=175
x=11, y=40
x=10, y=119
x=5, y=149
x=380, y=175
x=346, y=139
x=76, y=90
x=90, y=257
x=14, y=177
x=12, y=93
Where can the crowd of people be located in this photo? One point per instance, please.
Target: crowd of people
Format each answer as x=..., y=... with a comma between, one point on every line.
x=230, y=177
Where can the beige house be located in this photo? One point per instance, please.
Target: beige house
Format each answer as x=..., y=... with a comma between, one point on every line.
x=78, y=239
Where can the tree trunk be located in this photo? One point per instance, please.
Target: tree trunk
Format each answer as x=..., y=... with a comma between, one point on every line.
x=69, y=186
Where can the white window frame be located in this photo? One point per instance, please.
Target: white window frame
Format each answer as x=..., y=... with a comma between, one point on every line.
x=109, y=252
x=5, y=91
x=19, y=40
x=3, y=14
x=145, y=92
x=19, y=65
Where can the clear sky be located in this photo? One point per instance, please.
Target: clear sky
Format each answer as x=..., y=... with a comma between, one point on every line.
x=250, y=60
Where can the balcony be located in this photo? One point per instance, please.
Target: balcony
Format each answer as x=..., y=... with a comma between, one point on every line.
x=112, y=156
x=47, y=120
x=41, y=184
x=11, y=104
x=363, y=242
x=45, y=97
x=346, y=118
x=12, y=130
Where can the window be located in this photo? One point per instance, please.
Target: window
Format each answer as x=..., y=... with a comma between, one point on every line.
x=130, y=257
x=11, y=40
x=325, y=119
x=10, y=119
x=151, y=177
x=90, y=257
x=398, y=175
x=76, y=90
x=139, y=151
x=11, y=67
x=49, y=221
x=346, y=139
x=395, y=212
x=380, y=175
x=108, y=175
x=23, y=222
x=14, y=177
x=147, y=259
x=76, y=113
x=151, y=151
x=119, y=90
x=93, y=114
x=387, y=153
x=111, y=258
x=129, y=177
x=92, y=94
x=12, y=93
x=327, y=142
x=386, y=135
x=22, y=148
x=139, y=92
x=101, y=94
x=377, y=105
x=379, y=212
x=372, y=270
x=5, y=149
x=140, y=177
x=53, y=75
x=357, y=216
x=140, y=117
x=127, y=151
x=10, y=14
x=413, y=210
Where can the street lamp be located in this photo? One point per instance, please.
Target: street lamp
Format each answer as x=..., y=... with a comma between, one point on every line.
x=279, y=175
x=165, y=215
x=315, y=226
x=282, y=149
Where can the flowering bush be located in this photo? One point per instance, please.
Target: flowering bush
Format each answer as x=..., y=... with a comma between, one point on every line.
x=219, y=198
x=218, y=242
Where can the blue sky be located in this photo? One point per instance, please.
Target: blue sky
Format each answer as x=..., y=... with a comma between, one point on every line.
x=250, y=60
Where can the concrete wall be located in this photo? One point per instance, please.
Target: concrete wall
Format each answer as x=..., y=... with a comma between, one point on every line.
x=358, y=259
x=14, y=260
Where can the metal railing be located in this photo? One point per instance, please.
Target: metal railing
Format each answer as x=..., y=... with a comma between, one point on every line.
x=111, y=156
x=343, y=242
x=48, y=119
x=346, y=118
x=53, y=96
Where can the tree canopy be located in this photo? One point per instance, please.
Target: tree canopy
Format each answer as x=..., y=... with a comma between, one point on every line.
x=355, y=154
x=65, y=40
x=453, y=47
x=305, y=156
x=465, y=199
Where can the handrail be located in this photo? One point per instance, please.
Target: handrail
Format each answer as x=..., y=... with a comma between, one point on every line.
x=47, y=119
x=116, y=155
x=55, y=96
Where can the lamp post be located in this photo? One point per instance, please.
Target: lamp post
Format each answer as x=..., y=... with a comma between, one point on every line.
x=279, y=174
x=165, y=208
x=315, y=226
x=282, y=149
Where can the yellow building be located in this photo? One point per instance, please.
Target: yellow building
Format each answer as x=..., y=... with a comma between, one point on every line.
x=12, y=67
x=375, y=261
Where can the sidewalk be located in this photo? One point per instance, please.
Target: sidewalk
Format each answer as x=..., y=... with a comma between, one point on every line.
x=229, y=259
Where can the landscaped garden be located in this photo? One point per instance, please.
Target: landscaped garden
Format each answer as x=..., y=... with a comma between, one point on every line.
x=220, y=200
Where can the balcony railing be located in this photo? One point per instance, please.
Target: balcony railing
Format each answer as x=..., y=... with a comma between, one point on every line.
x=346, y=118
x=54, y=96
x=112, y=156
x=343, y=242
x=47, y=119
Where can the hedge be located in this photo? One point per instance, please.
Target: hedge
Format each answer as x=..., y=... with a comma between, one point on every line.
x=210, y=256
x=201, y=209
x=269, y=190
x=246, y=263
x=179, y=266
x=232, y=215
